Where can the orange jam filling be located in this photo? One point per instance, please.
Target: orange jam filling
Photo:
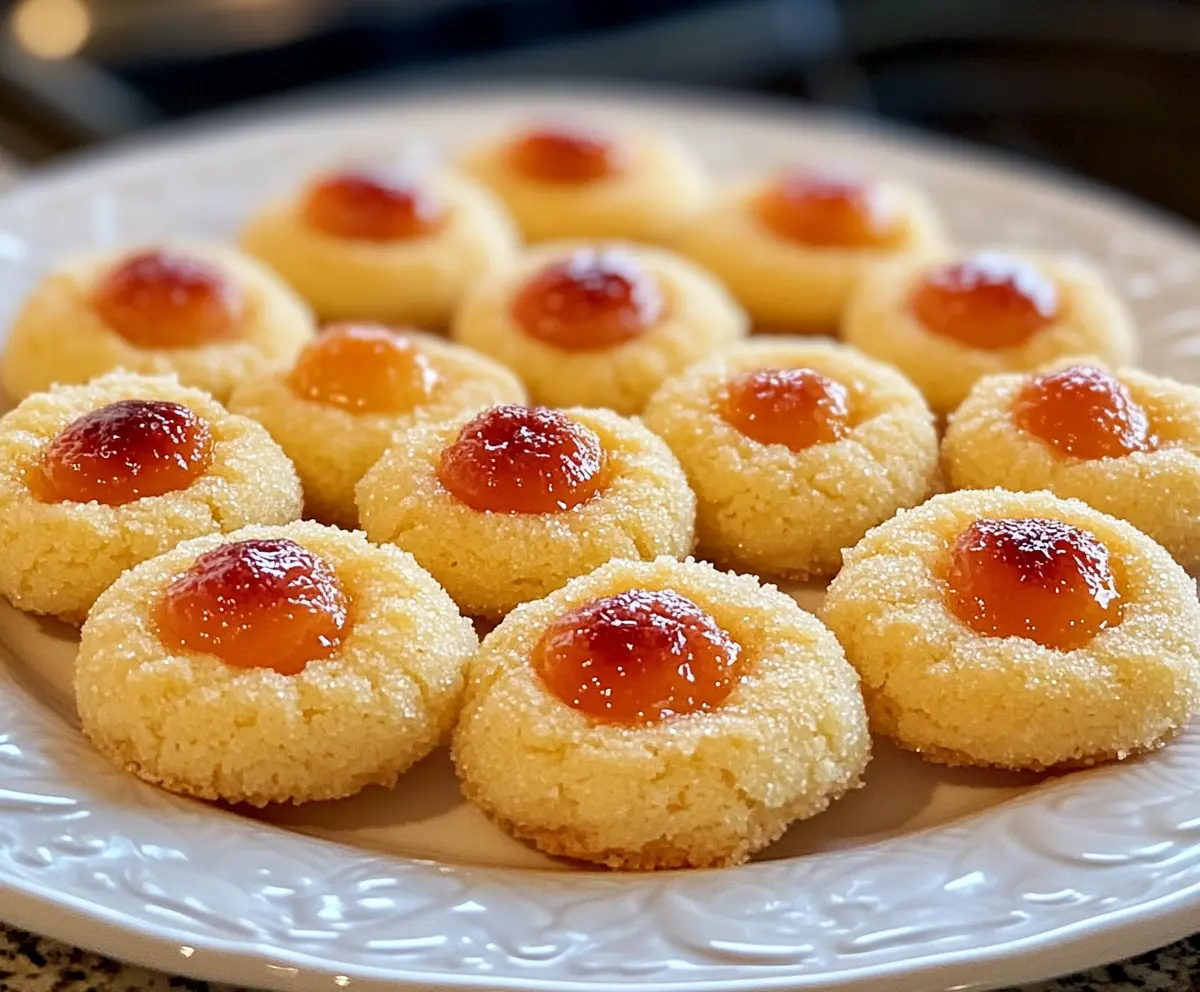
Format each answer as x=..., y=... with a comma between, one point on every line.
x=564, y=155
x=590, y=301
x=826, y=212
x=793, y=407
x=266, y=603
x=516, y=459
x=363, y=368
x=1029, y=577
x=989, y=301
x=124, y=452
x=1083, y=412
x=160, y=299
x=362, y=206
x=637, y=658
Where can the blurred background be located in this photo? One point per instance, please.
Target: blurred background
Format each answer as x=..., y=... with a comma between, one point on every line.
x=1106, y=88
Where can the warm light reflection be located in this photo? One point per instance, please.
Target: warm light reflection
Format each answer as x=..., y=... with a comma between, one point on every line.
x=52, y=29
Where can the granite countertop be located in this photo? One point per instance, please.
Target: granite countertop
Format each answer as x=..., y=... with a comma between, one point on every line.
x=35, y=964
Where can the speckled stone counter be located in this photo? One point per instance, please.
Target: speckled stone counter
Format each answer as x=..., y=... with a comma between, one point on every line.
x=34, y=964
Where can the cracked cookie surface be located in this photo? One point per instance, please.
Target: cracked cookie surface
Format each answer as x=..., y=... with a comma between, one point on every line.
x=788, y=513
x=698, y=789
x=362, y=715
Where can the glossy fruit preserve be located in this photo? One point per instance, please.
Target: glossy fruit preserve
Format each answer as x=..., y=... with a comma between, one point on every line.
x=989, y=301
x=1083, y=412
x=266, y=603
x=588, y=302
x=826, y=212
x=161, y=299
x=797, y=408
x=516, y=459
x=564, y=155
x=638, y=657
x=123, y=452
x=363, y=368
x=1030, y=577
x=363, y=206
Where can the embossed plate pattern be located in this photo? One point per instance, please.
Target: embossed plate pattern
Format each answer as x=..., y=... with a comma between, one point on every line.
x=1065, y=874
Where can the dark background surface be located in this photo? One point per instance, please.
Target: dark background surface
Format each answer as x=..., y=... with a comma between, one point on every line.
x=1108, y=88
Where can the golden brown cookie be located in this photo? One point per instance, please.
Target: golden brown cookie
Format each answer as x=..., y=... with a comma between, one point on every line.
x=507, y=506
x=273, y=664
x=659, y=714
x=96, y=478
x=364, y=245
x=567, y=182
x=947, y=322
x=792, y=247
x=795, y=448
x=1018, y=630
x=598, y=325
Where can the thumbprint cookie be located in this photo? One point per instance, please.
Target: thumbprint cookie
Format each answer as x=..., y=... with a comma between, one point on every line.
x=96, y=478
x=599, y=325
x=1126, y=442
x=1018, y=630
x=570, y=182
x=508, y=505
x=795, y=448
x=948, y=322
x=361, y=244
x=351, y=389
x=659, y=714
x=793, y=246
x=273, y=664
x=208, y=314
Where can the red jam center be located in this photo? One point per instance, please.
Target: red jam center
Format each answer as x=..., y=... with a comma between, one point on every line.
x=637, y=658
x=826, y=212
x=257, y=604
x=1030, y=577
x=363, y=368
x=361, y=206
x=1083, y=412
x=160, y=299
x=516, y=459
x=564, y=155
x=793, y=407
x=989, y=301
x=124, y=452
x=590, y=301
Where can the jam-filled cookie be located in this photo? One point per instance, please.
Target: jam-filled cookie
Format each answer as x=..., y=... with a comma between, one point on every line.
x=1018, y=630
x=948, y=322
x=792, y=247
x=568, y=182
x=208, y=314
x=659, y=715
x=364, y=245
x=795, y=448
x=1126, y=442
x=508, y=505
x=274, y=664
x=599, y=325
x=96, y=478
x=351, y=389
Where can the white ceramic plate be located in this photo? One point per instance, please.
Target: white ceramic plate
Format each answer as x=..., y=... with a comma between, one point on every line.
x=929, y=878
